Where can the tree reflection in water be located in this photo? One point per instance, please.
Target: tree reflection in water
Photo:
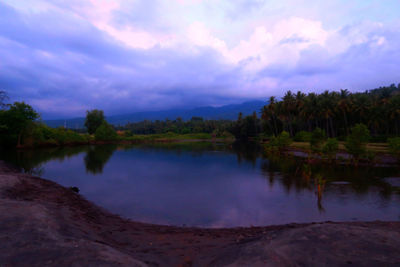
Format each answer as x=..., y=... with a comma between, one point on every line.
x=293, y=174
x=97, y=156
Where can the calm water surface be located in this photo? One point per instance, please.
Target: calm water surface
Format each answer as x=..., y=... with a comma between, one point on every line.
x=216, y=185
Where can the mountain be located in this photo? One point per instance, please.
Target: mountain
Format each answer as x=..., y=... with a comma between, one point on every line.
x=228, y=112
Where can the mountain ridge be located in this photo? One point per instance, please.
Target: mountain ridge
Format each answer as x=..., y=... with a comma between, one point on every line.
x=227, y=112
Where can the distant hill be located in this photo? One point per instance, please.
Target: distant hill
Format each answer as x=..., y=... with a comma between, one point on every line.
x=228, y=112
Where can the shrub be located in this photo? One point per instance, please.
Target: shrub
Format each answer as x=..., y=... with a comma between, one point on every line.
x=74, y=137
x=41, y=134
x=280, y=142
x=317, y=139
x=370, y=156
x=394, y=147
x=302, y=136
x=226, y=134
x=331, y=147
x=128, y=133
x=356, y=142
x=105, y=132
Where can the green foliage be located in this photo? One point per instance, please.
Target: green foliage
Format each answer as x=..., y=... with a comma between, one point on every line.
x=302, y=136
x=281, y=142
x=41, y=135
x=335, y=112
x=394, y=147
x=94, y=118
x=105, y=132
x=356, y=142
x=244, y=128
x=317, y=139
x=331, y=147
x=168, y=136
x=178, y=126
x=14, y=121
x=128, y=133
x=370, y=156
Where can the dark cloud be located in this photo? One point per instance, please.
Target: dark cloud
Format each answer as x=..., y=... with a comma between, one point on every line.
x=63, y=65
x=71, y=61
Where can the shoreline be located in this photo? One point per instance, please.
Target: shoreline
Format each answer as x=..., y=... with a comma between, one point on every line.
x=342, y=157
x=124, y=142
x=43, y=223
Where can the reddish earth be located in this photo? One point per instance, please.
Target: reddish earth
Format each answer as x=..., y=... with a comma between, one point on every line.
x=45, y=224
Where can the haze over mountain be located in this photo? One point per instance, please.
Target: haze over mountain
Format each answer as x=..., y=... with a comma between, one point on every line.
x=228, y=112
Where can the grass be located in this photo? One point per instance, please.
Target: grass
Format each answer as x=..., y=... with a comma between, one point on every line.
x=374, y=147
x=169, y=136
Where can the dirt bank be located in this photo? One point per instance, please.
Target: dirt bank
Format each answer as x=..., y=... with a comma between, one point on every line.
x=45, y=224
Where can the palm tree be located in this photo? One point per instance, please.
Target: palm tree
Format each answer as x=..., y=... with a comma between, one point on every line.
x=269, y=114
x=343, y=106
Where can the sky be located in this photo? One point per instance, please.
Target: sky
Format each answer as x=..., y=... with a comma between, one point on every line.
x=122, y=56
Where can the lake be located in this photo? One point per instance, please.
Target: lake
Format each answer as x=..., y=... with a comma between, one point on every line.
x=216, y=184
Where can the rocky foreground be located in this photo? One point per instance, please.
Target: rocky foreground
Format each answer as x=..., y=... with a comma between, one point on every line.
x=45, y=224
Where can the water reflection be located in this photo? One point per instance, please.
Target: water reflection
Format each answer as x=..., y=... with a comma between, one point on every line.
x=215, y=184
x=97, y=156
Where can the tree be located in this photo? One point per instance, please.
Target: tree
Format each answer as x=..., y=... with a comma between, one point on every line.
x=317, y=139
x=336, y=112
x=94, y=118
x=281, y=142
x=97, y=157
x=16, y=119
x=3, y=98
x=356, y=142
x=330, y=148
x=105, y=132
x=245, y=127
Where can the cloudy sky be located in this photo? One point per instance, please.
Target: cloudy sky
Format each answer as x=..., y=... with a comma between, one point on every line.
x=67, y=56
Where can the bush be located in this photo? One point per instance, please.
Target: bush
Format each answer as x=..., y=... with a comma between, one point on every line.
x=280, y=142
x=394, y=147
x=302, y=136
x=40, y=134
x=356, y=142
x=331, y=147
x=128, y=133
x=370, y=156
x=317, y=139
x=105, y=132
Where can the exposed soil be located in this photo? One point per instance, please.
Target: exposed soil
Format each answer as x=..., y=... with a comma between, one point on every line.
x=45, y=224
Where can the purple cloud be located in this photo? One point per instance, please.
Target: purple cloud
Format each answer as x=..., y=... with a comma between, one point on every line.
x=67, y=57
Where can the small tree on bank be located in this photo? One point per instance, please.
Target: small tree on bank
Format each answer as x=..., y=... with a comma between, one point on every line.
x=356, y=142
x=94, y=118
x=330, y=148
x=317, y=139
x=16, y=120
x=279, y=143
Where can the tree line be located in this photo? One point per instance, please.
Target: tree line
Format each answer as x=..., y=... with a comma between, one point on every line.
x=298, y=114
x=179, y=126
x=335, y=112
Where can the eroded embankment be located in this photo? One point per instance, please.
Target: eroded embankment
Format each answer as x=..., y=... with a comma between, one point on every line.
x=45, y=224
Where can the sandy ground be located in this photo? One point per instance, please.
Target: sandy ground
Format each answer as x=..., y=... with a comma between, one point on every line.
x=45, y=224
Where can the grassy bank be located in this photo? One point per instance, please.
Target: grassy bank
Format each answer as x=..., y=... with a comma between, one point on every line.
x=380, y=148
x=69, y=138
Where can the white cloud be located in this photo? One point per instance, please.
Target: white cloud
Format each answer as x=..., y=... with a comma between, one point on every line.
x=137, y=54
